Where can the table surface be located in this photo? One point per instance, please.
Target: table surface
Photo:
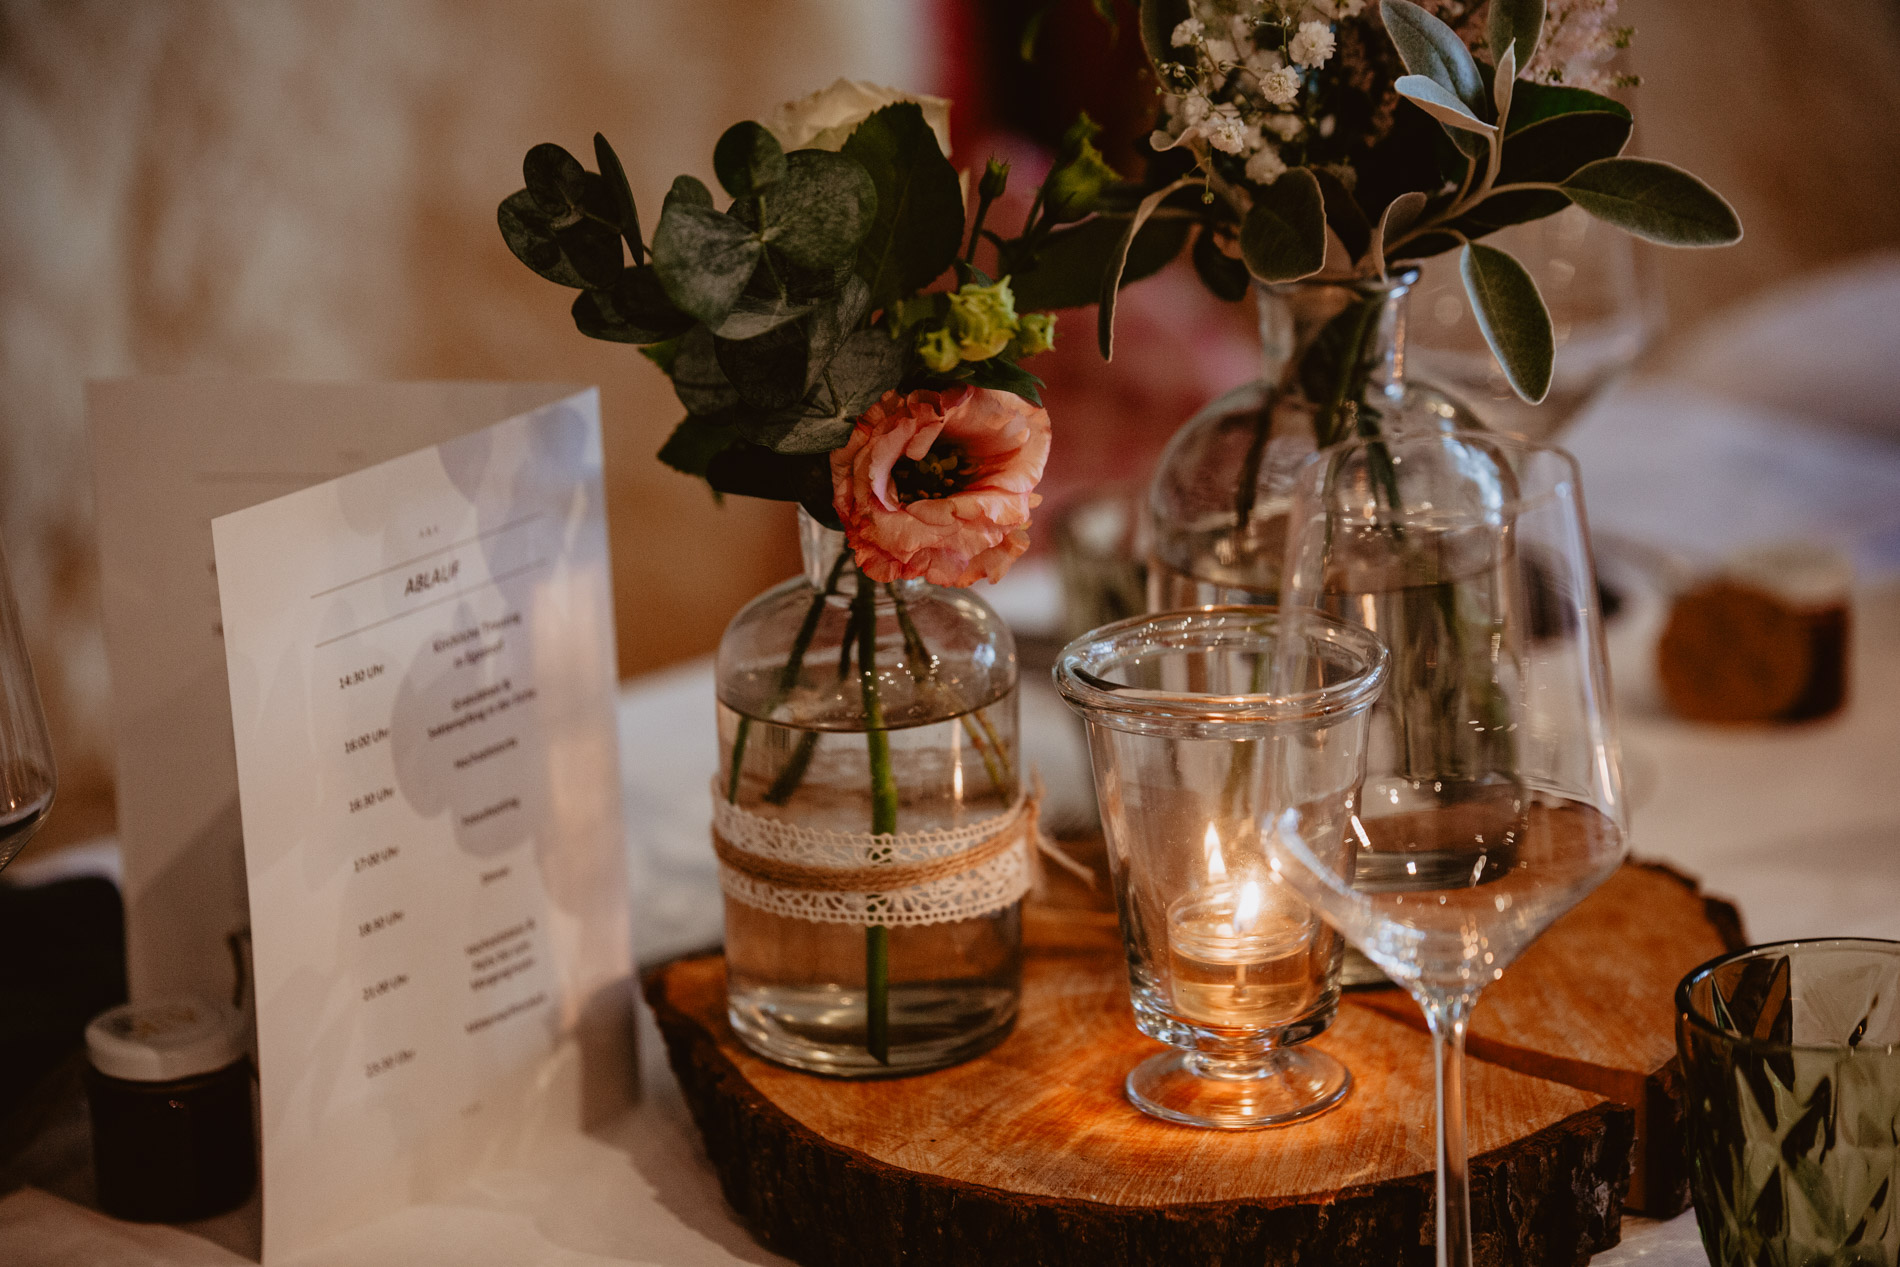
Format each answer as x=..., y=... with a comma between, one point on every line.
x=1799, y=826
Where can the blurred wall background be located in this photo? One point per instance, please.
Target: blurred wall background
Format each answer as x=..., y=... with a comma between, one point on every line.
x=306, y=189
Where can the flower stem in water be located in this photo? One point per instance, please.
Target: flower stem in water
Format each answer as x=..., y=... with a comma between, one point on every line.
x=877, y=938
x=787, y=678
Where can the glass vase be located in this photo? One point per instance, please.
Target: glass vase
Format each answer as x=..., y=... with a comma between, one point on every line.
x=873, y=835
x=1332, y=369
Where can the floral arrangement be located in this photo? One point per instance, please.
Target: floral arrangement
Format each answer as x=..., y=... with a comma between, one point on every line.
x=1332, y=140
x=834, y=344
x=826, y=331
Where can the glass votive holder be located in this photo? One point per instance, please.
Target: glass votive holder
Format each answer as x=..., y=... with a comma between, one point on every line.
x=1226, y=963
x=1791, y=1055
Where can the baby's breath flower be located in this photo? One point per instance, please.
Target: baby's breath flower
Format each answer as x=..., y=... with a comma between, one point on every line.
x=1265, y=166
x=1225, y=130
x=1222, y=51
x=1284, y=126
x=1280, y=85
x=1194, y=109
x=1313, y=45
x=1187, y=32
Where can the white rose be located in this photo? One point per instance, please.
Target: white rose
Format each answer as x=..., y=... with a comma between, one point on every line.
x=826, y=119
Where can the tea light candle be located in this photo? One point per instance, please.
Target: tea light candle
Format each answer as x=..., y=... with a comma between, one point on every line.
x=1237, y=958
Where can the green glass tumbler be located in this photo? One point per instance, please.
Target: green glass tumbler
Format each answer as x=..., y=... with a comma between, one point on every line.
x=1791, y=1054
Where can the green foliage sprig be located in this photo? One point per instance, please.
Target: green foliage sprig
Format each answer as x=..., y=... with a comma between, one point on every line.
x=783, y=317
x=1476, y=147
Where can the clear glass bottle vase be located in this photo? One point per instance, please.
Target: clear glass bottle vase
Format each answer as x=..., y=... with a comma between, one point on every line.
x=1332, y=369
x=851, y=711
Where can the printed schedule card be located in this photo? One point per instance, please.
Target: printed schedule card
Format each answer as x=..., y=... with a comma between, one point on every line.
x=422, y=684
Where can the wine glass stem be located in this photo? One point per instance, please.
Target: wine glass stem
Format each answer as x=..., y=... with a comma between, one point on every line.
x=1447, y=1019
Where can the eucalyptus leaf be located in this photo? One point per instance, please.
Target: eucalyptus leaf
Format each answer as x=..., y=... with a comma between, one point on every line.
x=697, y=379
x=1514, y=25
x=626, y=215
x=690, y=190
x=1395, y=222
x=695, y=442
x=634, y=310
x=704, y=258
x=867, y=364
x=1118, y=263
x=919, y=203
x=796, y=432
x=556, y=179
x=747, y=159
x=525, y=228
x=1434, y=51
x=593, y=248
x=1655, y=201
x=1223, y=275
x=820, y=212
x=1512, y=316
x=754, y=315
x=1066, y=270
x=1284, y=237
x=832, y=322
x=768, y=370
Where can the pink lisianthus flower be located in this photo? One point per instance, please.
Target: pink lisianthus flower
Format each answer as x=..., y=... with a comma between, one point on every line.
x=938, y=486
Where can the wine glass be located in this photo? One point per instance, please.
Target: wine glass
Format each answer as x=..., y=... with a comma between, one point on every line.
x=1493, y=796
x=1603, y=313
x=26, y=753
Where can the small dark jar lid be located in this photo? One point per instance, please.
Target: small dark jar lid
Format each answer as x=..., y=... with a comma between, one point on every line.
x=170, y=1090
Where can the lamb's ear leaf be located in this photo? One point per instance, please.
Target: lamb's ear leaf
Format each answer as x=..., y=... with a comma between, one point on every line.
x=1515, y=24
x=1398, y=218
x=1466, y=130
x=1430, y=48
x=1284, y=237
x=1220, y=272
x=1656, y=201
x=1118, y=264
x=1512, y=316
x=1344, y=215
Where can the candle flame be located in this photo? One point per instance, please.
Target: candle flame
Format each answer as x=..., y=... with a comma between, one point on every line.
x=1247, y=907
x=1216, y=865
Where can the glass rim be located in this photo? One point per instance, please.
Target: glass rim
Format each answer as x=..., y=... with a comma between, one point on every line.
x=1090, y=694
x=1684, y=1010
x=1509, y=441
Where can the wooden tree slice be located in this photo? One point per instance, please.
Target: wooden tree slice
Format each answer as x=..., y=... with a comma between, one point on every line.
x=1591, y=1005
x=1030, y=1154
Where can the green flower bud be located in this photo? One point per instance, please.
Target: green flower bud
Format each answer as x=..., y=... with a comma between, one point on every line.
x=938, y=348
x=995, y=180
x=1036, y=332
x=983, y=319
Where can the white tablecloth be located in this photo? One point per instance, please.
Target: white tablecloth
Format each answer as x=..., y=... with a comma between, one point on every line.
x=1800, y=826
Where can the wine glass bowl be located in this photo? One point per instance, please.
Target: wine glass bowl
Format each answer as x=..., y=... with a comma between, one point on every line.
x=26, y=751
x=1492, y=800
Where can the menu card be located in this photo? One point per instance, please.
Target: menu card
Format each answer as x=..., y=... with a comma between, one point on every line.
x=422, y=682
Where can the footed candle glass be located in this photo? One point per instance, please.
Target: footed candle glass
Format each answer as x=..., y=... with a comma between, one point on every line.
x=1226, y=963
